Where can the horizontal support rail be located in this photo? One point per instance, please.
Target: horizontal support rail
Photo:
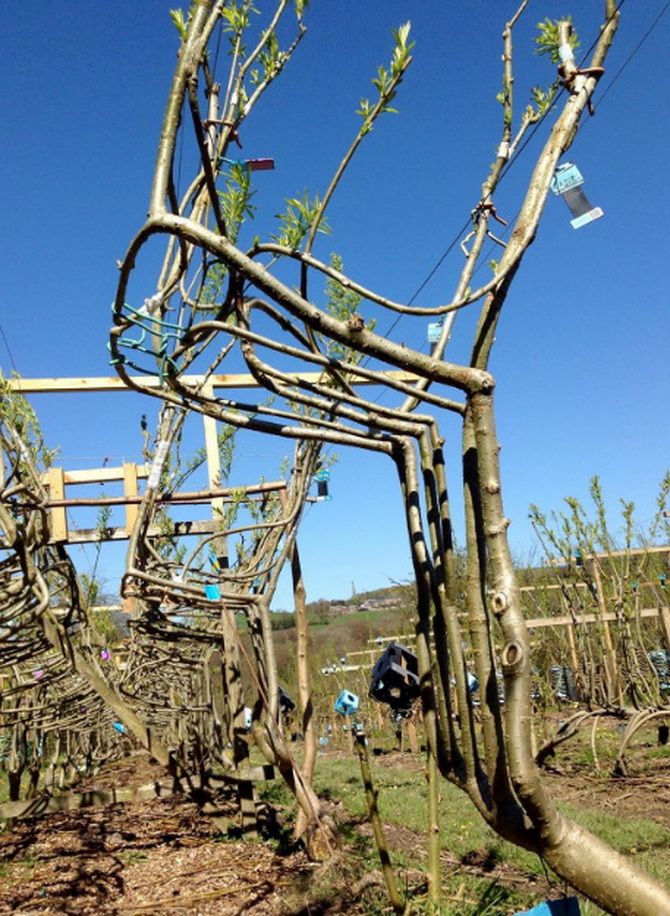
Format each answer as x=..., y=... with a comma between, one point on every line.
x=240, y=380
x=196, y=496
x=566, y=620
x=610, y=554
x=98, y=475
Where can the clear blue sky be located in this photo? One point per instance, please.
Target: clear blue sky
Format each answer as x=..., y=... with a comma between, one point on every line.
x=582, y=352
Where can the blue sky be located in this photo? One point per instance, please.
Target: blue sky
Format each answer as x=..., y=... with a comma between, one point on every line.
x=582, y=353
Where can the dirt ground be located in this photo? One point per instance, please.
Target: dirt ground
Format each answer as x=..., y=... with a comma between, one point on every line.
x=157, y=856
x=163, y=856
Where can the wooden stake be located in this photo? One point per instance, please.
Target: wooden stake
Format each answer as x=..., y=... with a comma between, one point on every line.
x=411, y=734
x=214, y=476
x=611, y=669
x=130, y=489
x=665, y=625
x=572, y=646
x=56, y=483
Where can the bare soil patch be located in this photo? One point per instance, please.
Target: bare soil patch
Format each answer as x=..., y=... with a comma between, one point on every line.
x=150, y=857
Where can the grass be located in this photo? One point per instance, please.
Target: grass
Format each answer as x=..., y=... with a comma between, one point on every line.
x=402, y=803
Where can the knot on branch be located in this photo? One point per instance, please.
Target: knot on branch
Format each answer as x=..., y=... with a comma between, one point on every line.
x=513, y=657
x=356, y=322
x=499, y=603
x=494, y=531
x=568, y=75
x=493, y=486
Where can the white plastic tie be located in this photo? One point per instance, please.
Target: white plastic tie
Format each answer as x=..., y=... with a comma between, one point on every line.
x=157, y=464
x=565, y=53
x=150, y=305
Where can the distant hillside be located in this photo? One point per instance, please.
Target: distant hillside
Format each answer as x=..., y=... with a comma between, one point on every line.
x=325, y=611
x=340, y=627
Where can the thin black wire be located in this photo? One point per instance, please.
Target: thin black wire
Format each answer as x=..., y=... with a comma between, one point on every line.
x=181, y=151
x=511, y=163
x=635, y=50
x=425, y=282
x=216, y=53
x=553, y=106
x=520, y=151
x=601, y=98
x=8, y=348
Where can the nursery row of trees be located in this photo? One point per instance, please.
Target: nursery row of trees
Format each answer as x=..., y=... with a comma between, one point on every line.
x=225, y=298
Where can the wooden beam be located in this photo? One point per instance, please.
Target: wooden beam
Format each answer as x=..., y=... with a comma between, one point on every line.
x=607, y=554
x=62, y=385
x=181, y=529
x=552, y=586
x=101, y=475
x=193, y=497
x=163, y=788
x=562, y=621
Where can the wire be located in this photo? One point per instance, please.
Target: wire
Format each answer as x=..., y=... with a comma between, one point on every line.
x=218, y=48
x=181, y=150
x=519, y=152
x=601, y=100
x=8, y=348
x=635, y=50
x=425, y=282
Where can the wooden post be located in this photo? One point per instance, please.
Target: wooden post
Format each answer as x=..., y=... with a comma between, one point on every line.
x=611, y=670
x=665, y=625
x=411, y=734
x=129, y=604
x=214, y=476
x=55, y=481
x=305, y=704
x=130, y=489
x=570, y=634
x=232, y=675
x=410, y=727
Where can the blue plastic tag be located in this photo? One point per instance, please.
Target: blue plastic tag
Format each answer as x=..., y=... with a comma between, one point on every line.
x=585, y=218
x=434, y=331
x=566, y=176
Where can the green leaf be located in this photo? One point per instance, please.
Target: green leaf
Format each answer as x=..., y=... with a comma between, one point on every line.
x=177, y=17
x=296, y=220
x=546, y=41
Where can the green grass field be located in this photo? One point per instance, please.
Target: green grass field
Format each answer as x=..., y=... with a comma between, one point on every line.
x=520, y=879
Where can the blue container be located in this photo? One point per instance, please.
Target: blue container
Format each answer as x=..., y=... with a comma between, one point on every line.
x=213, y=592
x=566, y=906
x=346, y=703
